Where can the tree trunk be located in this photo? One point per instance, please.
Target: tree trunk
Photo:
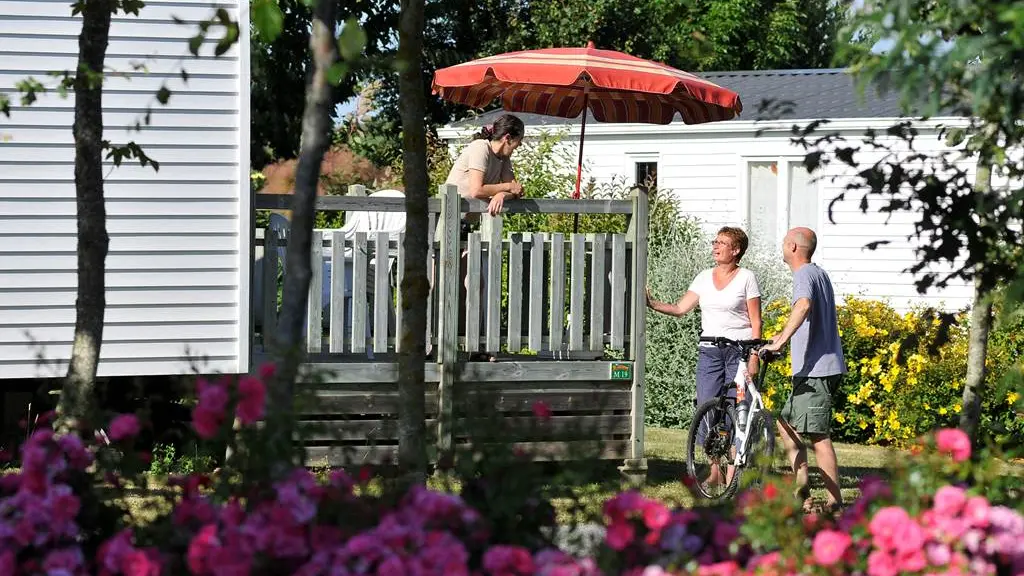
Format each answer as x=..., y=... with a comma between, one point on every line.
x=412, y=456
x=316, y=127
x=77, y=400
x=977, y=350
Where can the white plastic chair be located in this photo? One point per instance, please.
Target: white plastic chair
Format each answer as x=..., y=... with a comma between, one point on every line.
x=369, y=222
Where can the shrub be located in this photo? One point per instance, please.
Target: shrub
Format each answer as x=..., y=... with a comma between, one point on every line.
x=672, y=343
x=906, y=373
x=64, y=512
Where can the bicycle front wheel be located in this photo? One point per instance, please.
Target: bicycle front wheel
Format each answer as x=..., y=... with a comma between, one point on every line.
x=760, y=447
x=710, y=449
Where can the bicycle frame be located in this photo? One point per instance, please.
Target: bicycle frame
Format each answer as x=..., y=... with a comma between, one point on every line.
x=756, y=405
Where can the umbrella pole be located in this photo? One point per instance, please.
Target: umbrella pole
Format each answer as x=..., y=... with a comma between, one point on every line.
x=579, y=164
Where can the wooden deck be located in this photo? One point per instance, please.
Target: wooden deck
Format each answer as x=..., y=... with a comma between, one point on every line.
x=564, y=314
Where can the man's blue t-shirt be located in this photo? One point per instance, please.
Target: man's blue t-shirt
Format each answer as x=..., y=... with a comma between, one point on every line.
x=815, y=348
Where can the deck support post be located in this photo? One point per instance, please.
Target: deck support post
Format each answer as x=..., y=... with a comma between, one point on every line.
x=448, y=314
x=635, y=466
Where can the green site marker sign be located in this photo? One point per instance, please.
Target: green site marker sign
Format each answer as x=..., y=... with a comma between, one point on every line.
x=621, y=371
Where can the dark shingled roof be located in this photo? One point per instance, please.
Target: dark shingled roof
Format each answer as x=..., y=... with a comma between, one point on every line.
x=796, y=94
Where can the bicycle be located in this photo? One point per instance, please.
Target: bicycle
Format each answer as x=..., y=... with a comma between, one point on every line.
x=728, y=438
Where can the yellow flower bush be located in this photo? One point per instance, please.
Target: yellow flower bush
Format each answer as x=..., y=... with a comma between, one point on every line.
x=906, y=372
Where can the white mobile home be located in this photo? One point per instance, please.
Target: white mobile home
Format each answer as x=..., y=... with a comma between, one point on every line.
x=726, y=174
x=178, y=267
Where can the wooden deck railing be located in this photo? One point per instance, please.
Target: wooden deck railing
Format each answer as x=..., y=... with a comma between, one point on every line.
x=538, y=295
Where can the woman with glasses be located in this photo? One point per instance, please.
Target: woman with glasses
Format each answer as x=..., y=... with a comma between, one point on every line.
x=730, y=307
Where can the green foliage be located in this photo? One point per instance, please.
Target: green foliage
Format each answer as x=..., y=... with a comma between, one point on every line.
x=693, y=35
x=906, y=374
x=376, y=139
x=280, y=60
x=672, y=342
x=945, y=59
x=166, y=461
x=267, y=18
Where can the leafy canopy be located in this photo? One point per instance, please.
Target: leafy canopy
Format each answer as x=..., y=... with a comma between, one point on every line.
x=947, y=59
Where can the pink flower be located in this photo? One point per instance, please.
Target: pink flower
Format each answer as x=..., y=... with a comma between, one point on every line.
x=938, y=554
x=729, y=568
x=620, y=535
x=541, y=410
x=725, y=533
x=508, y=561
x=64, y=561
x=954, y=442
x=829, y=546
x=212, y=397
x=200, y=549
x=882, y=564
x=656, y=514
x=267, y=371
x=206, y=423
x=949, y=500
x=113, y=551
x=141, y=563
x=976, y=511
x=886, y=525
x=8, y=563
x=912, y=560
x=910, y=538
x=123, y=427
x=252, y=398
x=208, y=415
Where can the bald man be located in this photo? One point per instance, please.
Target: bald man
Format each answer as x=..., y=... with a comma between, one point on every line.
x=818, y=365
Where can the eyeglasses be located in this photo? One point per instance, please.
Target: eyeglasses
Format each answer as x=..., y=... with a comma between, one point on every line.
x=721, y=243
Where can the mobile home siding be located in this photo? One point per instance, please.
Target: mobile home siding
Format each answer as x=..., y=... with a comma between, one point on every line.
x=705, y=168
x=178, y=267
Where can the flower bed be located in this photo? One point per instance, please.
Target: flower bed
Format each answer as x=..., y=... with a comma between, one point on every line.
x=56, y=517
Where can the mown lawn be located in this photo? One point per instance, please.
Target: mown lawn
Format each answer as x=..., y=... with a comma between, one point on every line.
x=666, y=460
x=590, y=483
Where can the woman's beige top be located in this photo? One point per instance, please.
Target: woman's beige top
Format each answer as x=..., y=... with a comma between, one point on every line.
x=477, y=155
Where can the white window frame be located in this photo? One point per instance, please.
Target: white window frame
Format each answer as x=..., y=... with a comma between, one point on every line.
x=782, y=197
x=633, y=158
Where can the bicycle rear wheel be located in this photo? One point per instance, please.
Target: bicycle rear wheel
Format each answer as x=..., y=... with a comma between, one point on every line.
x=710, y=449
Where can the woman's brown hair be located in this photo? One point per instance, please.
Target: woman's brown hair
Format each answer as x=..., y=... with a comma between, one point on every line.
x=738, y=237
x=507, y=125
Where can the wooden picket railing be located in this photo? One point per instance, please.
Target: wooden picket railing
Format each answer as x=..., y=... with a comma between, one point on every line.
x=551, y=306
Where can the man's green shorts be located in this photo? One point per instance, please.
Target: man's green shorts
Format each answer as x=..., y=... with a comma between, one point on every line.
x=809, y=406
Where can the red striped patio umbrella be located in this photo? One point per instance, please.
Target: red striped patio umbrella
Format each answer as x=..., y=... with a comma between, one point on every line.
x=563, y=82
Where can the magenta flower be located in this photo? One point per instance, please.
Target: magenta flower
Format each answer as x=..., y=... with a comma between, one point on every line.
x=949, y=501
x=123, y=427
x=976, y=511
x=727, y=568
x=620, y=535
x=656, y=514
x=882, y=563
x=954, y=442
x=208, y=415
x=829, y=547
x=887, y=525
x=541, y=411
x=64, y=561
x=508, y=561
x=267, y=371
x=252, y=399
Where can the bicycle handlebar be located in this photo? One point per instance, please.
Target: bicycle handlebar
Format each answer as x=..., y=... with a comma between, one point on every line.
x=746, y=346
